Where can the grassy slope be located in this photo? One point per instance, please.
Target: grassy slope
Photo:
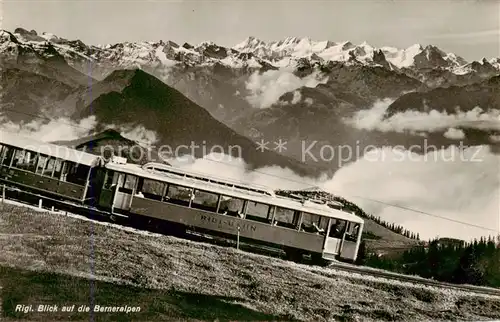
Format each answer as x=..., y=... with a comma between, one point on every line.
x=177, y=279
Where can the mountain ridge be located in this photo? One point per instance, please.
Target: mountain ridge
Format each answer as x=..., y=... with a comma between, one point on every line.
x=255, y=53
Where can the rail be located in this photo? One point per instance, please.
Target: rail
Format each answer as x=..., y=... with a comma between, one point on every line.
x=364, y=270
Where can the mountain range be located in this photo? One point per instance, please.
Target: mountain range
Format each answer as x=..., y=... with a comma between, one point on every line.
x=302, y=91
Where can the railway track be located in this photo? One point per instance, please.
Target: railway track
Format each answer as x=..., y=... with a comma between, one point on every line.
x=98, y=215
x=363, y=270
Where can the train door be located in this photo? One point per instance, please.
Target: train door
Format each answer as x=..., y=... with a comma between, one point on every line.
x=96, y=182
x=123, y=197
x=351, y=241
x=108, y=189
x=334, y=238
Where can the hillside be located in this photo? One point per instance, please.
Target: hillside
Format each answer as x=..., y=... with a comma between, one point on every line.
x=173, y=279
x=485, y=95
x=141, y=99
x=24, y=94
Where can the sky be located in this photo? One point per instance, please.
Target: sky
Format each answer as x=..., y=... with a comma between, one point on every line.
x=470, y=29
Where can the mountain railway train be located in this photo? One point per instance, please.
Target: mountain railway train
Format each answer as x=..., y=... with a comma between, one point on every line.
x=180, y=200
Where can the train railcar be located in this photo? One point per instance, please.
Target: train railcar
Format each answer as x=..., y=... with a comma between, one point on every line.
x=178, y=197
x=49, y=169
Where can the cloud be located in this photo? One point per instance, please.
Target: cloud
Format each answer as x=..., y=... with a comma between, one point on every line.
x=309, y=101
x=454, y=134
x=266, y=88
x=457, y=187
x=415, y=121
x=461, y=189
x=137, y=133
x=53, y=130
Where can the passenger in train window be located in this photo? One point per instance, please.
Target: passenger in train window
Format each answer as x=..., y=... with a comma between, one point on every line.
x=318, y=229
x=42, y=160
x=313, y=223
x=352, y=232
x=18, y=159
x=231, y=206
x=32, y=161
x=338, y=228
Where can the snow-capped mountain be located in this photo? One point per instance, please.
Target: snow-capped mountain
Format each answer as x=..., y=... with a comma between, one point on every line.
x=415, y=56
x=294, y=88
x=252, y=54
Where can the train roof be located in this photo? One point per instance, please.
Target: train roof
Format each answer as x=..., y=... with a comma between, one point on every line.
x=57, y=151
x=228, y=190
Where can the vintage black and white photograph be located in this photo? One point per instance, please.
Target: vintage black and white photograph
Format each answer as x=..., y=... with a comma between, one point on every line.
x=249, y=160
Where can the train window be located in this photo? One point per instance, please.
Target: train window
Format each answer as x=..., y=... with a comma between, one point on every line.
x=258, y=211
x=32, y=160
x=111, y=179
x=231, y=206
x=205, y=200
x=49, y=168
x=58, y=169
x=352, y=232
x=64, y=170
x=312, y=223
x=3, y=152
x=179, y=195
x=337, y=228
x=128, y=184
x=7, y=157
x=18, y=161
x=40, y=164
x=76, y=173
x=153, y=189
x=285, y=217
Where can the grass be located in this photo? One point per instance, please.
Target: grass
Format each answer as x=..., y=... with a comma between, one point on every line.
x=27, y=287
x=54, y=259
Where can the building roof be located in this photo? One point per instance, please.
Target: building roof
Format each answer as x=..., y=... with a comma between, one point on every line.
x=49, y=149
x=191, y=182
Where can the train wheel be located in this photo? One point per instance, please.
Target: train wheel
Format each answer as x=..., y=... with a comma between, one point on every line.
x=317, y=259
x=293, y=255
